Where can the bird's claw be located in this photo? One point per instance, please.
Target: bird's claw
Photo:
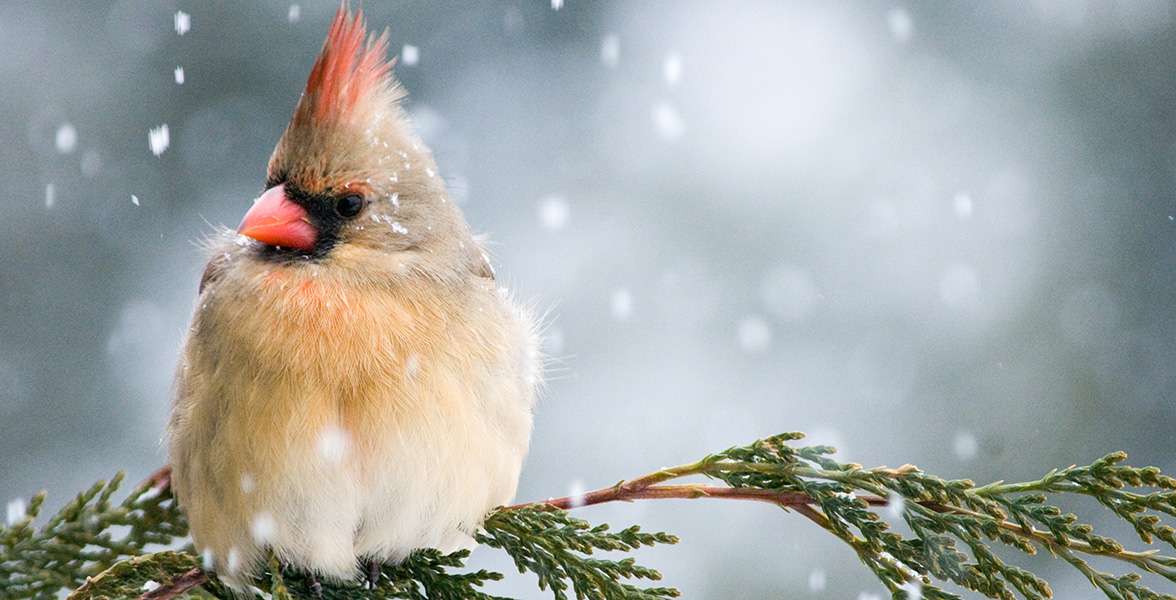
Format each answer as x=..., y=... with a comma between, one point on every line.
x=316, y=588
x=373, y=573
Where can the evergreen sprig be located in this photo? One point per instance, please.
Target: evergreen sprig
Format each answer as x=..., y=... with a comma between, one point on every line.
x=104, y=550
x=136, y=576
x=941, y=512
x=424, y=574
x=545, y=541
x=552, y=545
x=86, y=537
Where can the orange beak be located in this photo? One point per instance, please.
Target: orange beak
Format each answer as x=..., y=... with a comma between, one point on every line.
x=277, y=221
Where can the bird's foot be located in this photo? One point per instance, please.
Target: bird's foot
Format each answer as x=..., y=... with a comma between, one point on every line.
x=316, y=588
x=373, y=573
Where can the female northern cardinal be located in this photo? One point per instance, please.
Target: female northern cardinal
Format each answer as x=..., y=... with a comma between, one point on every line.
x=354, y=385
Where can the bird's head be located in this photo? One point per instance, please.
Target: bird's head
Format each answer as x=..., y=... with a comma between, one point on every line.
x=349, y=177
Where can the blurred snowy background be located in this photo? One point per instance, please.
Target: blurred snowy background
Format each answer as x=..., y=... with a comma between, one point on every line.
x=934, y=233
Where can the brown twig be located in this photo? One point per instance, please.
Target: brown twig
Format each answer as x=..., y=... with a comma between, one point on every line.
x=160, y=479
x=638, y=490
x=177, y=586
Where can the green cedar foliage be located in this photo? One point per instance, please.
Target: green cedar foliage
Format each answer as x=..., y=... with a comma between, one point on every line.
x=104, y=550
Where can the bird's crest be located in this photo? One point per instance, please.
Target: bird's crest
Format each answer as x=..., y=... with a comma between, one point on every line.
x=351, y=68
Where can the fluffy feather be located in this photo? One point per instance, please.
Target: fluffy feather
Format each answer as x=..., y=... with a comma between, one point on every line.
x=366, y=398
x=349, y=70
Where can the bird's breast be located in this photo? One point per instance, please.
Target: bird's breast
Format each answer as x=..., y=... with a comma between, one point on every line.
x=304, y=317
x=303, y=349
x=376, y=417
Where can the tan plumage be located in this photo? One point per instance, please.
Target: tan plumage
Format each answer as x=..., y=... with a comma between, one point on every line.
x=368, y=392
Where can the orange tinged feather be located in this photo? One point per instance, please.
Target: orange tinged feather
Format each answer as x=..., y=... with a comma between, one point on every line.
x=351, y=67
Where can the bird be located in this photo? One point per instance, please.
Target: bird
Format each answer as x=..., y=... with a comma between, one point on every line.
x=354, y=385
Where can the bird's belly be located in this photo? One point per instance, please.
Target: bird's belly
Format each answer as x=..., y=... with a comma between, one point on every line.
x=327, y=464
x=373, y=484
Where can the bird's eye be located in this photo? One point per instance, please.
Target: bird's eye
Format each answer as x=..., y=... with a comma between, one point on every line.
x=349, y=205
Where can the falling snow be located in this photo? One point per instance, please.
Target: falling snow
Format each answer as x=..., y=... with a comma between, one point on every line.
x=816, y=581
x=50, y=196
x=672, y=69
x=576, y=493
x=667, y=122
x=263, y=527
x=16, y=511
x=180, y=75
x=963, y=205
x=134, y=200
x=622, y=304
x=410, y=56
x=895, y=506
x=412, y=365
x=158, y=139
x=755, y=335
x=67, y=138
x=868, y=596
x=333, y=446
x=913, y=590
x=294, y=13
x=556, y=4
x=183, y=22
x=149, y=586
x=901, y=26
x=610, y=51
x=965, y=446
x=554, y=213
x=247, y=483
x=206, y=559
x=234, y=561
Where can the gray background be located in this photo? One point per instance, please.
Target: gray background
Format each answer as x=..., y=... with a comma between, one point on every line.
x=922, y=232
